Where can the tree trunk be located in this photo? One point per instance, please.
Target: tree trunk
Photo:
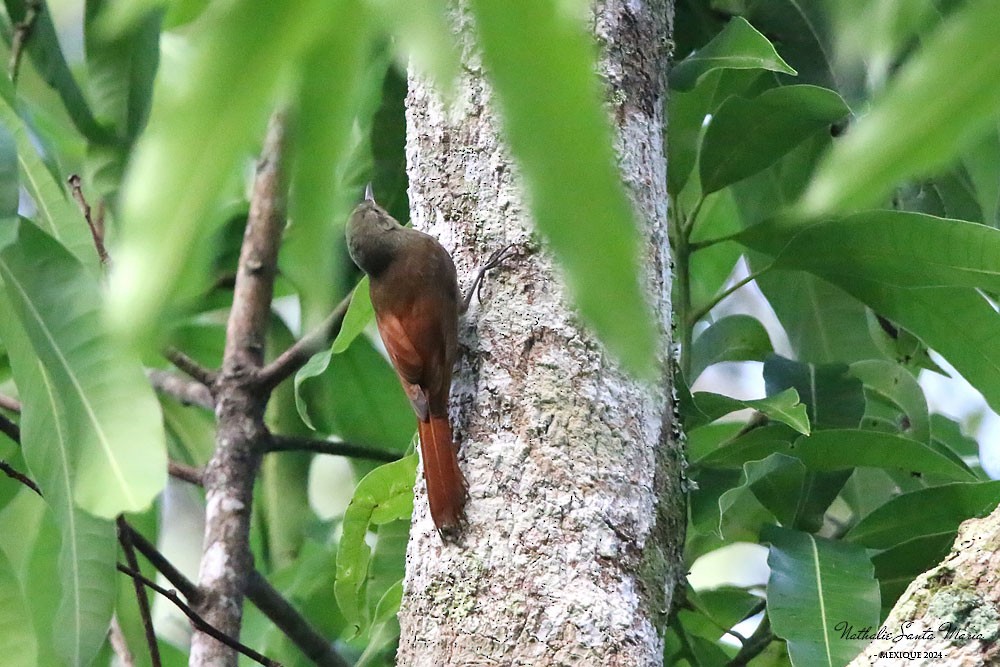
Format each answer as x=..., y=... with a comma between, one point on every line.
x=949, y=610
x=576, y=516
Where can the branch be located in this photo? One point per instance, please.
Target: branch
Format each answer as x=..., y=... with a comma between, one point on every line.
x=197, y=621
x=191, y=367
x=704, y=310
x=8, y=403
x=10, y=429
x=292, y=443
x=96, y=227
x=315, y=646
x=177, y=579
x=298, y=354
x=241, y=435
x=754, y=645
x=125, y=539
x=22, y=31
x=186, y=473
x=264, y=597
x=185, y=391
x=9, y=470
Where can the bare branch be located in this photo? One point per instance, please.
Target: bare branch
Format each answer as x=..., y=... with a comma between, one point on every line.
x=186, y=473
x=96, y=227
x=298, y=354
x=125, y=539
x=22, y=31
x=8, y=403
x=315, y=646
x=241, y=435
x=10, y=429
x=270, y=602
x=185, y=391
x=191, y=367
x=9, y=470
x=292, y=443
x=197, y=621
x=177, y=579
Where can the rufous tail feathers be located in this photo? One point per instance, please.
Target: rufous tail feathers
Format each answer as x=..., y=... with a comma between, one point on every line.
x=446, y=491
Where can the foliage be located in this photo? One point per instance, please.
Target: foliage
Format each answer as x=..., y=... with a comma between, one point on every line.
x=805, y=132
x=160, y=116
x=841, y=466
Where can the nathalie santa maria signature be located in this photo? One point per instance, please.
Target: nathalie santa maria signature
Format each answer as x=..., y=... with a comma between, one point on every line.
x=906, y=631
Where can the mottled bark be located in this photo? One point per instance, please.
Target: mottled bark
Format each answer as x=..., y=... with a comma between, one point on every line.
x=951, y=611
x=575, y=519
x=241, y=436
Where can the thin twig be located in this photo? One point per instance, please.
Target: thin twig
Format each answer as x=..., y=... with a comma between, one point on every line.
x=315, y=646
x=191, y=367
x=96, y=228
x=176, y=578
x=260, y=592
x=295, y=357
x=704, y=310
x=755, y=644
x=186, y=473
x=119, y=645
x=9, y=403
x=10, y=429
x=292, y=443
x=125, y=539
x=289, y=361
x=22, y=32
x=197, y=621
x=184, y=390
x=9, y=470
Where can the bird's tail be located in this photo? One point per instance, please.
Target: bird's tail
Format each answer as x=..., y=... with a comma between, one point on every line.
x=446, y=491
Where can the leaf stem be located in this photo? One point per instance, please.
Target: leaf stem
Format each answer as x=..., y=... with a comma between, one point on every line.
x=704, y=310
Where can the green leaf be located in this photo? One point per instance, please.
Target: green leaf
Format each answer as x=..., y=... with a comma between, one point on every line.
x=733, y=338
x=357, y=396
x=112, y=416
x=383, y=495
x=783, y=407
x=340, y=86
x=896, y=248
x=8, y=174
x=359, y=315
x=952, y=320
x=834, y=398
x=897, y=567
x=811, y=310
x=423, y=36
x=47, y=57
x=56, y=214
x=795, y=496
x=747, y=136
x=315, y=367
x=88, y=545
x=197, y=135
x=18, y=643
x=737, y=46
x=121, y=69
x=937, y=510
x=894, y=383
x=542, y=65
x=841, y=449
x=816, y=589
x=908, y=132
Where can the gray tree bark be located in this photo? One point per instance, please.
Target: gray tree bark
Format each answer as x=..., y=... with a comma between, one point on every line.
x=949, y=611
x=576, y=513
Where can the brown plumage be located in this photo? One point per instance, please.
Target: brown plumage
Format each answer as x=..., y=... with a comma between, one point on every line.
x=414, y=292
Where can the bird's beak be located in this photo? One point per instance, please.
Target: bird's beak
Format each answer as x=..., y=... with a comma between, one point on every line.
x=369, y=196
